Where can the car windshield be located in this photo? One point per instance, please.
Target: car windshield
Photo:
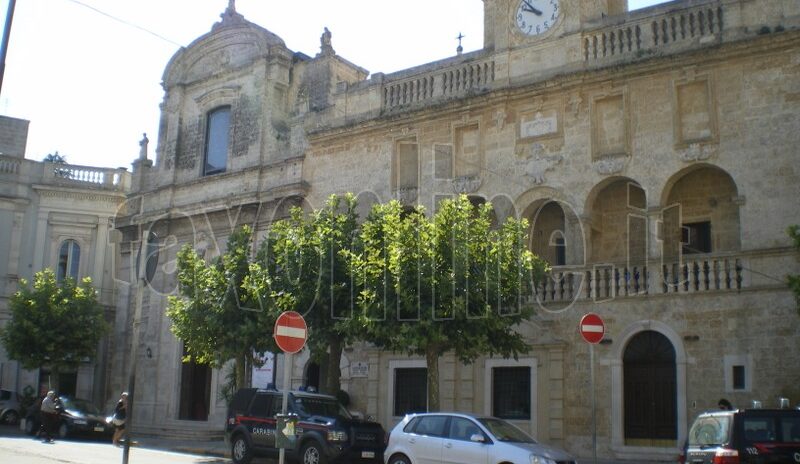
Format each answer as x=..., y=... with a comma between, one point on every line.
x=710, y=430
x=505, y=431
x=79, y=405
x=320, y=406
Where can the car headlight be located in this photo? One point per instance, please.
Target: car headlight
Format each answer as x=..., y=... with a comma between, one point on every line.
x=337, y=435
x=536, y=459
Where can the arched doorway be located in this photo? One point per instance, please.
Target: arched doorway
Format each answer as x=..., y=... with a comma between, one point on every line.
x=650, y=393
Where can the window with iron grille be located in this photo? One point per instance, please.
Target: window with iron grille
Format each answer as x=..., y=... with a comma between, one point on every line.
x=410, y=390
x=511, y=392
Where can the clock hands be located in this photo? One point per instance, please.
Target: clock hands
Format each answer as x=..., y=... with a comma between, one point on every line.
x=527, y=6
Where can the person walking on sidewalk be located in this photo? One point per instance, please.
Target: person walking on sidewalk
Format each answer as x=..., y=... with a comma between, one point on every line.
x=49, y=412
x=119, y=418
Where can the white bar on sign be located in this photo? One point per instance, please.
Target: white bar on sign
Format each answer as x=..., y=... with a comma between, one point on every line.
x=293, y=332
x=592, y=328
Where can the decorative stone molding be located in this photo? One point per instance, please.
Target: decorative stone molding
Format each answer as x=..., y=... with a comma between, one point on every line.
x=466, y=184
x=610, y=165
x=406, y=195
x=537, y=164
x=697, y=152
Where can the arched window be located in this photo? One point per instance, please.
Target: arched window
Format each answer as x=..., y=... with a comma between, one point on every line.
x=69, y=259
x=217, y=130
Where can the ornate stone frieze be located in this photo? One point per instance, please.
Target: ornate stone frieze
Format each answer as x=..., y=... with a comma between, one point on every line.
x=697, y=152
x=406, y=195
x=610, y=165
x=466, y=184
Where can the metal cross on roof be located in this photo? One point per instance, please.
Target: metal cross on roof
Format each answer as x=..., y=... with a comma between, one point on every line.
x=460, y=48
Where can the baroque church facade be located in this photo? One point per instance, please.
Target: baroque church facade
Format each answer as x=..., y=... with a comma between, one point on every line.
x=654, y=153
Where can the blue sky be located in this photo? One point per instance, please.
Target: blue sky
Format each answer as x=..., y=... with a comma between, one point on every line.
x=87, y=73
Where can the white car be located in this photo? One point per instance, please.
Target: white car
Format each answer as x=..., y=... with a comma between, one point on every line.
x=444, y=438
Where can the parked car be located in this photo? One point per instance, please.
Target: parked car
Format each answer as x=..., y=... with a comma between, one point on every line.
x=326, y=431
x=10, y=407
x=745, y=436
x=437, y=438
x=79, y=417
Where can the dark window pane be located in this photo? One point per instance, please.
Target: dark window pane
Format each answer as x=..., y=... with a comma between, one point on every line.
x=261, y=405
x=561, y=252
x=431, y=426
x=759, y=429
x=738, y=378
x=697, y=237
x=463, y=429
x=790, y=430
x=511, y=390
x=69, y=258
x=410, y=391
x=217, y=140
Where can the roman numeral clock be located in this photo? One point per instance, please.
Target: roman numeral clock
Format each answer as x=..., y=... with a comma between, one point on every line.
x=534, y=17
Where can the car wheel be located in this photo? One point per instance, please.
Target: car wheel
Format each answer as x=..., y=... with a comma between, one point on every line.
x=241, y=452
x=312, y=454
x=63, y=431
x=10, y=417
x=399, y=459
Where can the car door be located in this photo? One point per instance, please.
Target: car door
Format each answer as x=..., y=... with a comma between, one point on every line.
x=425, y=441
x=458, y=447
x=260, y=423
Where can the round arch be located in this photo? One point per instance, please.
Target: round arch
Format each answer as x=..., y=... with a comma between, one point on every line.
x=669, y=184
x=621, y=342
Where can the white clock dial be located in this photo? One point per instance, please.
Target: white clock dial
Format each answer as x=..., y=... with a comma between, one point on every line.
x=536, y=16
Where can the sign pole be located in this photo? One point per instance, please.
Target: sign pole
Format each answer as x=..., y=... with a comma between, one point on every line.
x=594, y=411
x=592, y=328
x=287, y=372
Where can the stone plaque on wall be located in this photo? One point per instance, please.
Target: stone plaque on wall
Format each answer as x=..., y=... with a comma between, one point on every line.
x=359, y=369
x=539, y=124
x=468, y=151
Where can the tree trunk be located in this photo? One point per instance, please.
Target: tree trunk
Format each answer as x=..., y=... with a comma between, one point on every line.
x=432, y=359
x=333, y=380
x=240, y=374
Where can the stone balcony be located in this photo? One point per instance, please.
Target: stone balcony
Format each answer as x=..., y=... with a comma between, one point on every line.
x=694, y=274
x=63, y=175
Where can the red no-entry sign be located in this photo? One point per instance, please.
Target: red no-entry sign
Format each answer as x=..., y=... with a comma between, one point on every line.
x=592, y=328
x=290, y=332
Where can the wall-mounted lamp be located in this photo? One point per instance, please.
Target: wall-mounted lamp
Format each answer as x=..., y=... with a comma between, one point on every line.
x=149, y=353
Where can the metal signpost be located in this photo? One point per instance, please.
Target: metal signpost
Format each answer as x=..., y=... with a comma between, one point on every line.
x=592, y=330
x=290, y=334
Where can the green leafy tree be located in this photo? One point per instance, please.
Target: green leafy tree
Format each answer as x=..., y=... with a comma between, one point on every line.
x=305, y=263
x=55, y=324
x=446, y=283
x=215, y=313
x=58, y=159
x=794, y=280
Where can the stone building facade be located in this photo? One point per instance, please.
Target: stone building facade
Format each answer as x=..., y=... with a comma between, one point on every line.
x=654, y=153
x=57, y=216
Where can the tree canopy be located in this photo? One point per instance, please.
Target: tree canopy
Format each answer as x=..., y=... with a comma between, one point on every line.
x=55, y=324
x=215, y=313
x=447, y=283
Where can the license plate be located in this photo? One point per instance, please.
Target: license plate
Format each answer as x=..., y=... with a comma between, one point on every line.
x=368, y=454
x=99, y=429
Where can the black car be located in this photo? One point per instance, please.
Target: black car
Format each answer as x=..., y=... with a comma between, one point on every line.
x=77, y=417
x=326, y=431
x=745, y=436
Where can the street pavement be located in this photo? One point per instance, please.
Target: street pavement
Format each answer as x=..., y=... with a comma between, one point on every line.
x=16, y=447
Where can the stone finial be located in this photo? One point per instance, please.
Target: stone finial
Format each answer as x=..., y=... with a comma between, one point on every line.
x=143, y=147
x=230, y=16
x=325, y=47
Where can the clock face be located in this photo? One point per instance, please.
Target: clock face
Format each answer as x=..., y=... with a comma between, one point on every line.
x=536, y=16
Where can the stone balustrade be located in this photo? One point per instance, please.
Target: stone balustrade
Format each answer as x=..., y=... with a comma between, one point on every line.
x=453, y=81
x=65, y=174
x=646, y=35
x=694, y=274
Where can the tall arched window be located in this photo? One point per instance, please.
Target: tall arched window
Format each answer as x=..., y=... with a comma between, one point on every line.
x=69, y=259
x=217, y=130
